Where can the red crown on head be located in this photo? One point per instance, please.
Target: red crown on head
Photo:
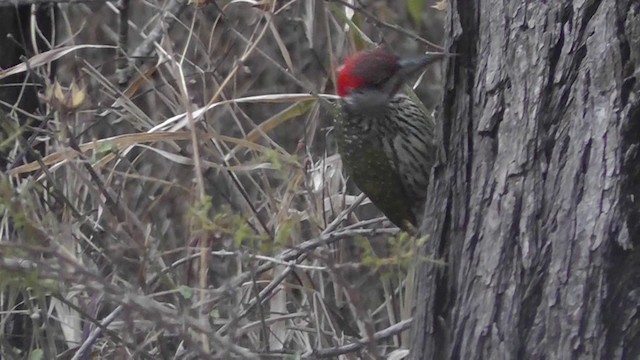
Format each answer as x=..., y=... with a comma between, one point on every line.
x=366, y=69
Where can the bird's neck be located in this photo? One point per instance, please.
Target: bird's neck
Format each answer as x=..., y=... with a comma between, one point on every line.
x=363, y=113
x=369, y=104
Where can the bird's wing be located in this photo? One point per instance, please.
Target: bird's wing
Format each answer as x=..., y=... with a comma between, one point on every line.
x=411, y=147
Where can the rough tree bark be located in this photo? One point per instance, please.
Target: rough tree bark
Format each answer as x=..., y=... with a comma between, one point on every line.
x=536, y=210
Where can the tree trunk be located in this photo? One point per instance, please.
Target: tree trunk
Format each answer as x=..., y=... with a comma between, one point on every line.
x=536, y=210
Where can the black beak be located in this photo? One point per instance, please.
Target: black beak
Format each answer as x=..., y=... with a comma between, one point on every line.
x=408, y=66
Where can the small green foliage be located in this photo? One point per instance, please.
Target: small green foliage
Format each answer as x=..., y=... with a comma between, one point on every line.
x=402, y=247
x=185, y=291
x=264, y=247
x=415, y=7
x=369, y=258
x=242, y=234
x=17, y=207
x=11, y=278
x=9, y=205
x=279, y=161
x=253, y=242
x=360, y=39
x=273, y=157
x=10, y=131
x=39, y=287
x=36, y=354
x=104, y=149
x=215, y=313
x=283, y=234
x=200, y=213
x=223, y=222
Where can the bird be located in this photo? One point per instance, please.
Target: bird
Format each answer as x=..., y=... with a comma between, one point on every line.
x=387, y=141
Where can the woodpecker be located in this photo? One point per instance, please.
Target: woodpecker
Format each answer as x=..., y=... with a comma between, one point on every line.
x=386, y=140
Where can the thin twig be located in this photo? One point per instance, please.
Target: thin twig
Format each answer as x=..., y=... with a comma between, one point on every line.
x=343, y=349
x=169, y=16
x=295, y=255
x=7, y=3
x=394, y=27
x=123, y=41
x=97, y=331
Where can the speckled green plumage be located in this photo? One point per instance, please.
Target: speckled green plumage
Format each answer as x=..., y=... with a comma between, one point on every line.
x=389, y=154
x=367, y=165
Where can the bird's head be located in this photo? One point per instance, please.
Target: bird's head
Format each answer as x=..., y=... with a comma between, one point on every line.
x=368, y=79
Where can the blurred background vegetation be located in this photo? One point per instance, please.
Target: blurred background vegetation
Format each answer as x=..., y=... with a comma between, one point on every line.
x=171, y=188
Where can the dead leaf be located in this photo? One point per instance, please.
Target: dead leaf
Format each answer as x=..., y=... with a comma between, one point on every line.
x=441, y=5
x=47, y=57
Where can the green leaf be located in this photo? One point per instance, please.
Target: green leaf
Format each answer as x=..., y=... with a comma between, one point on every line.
x=215, y=313
x=242, y=233
x=36, y=354
x=414, y=7
x=284, y=232
x=185, y=291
